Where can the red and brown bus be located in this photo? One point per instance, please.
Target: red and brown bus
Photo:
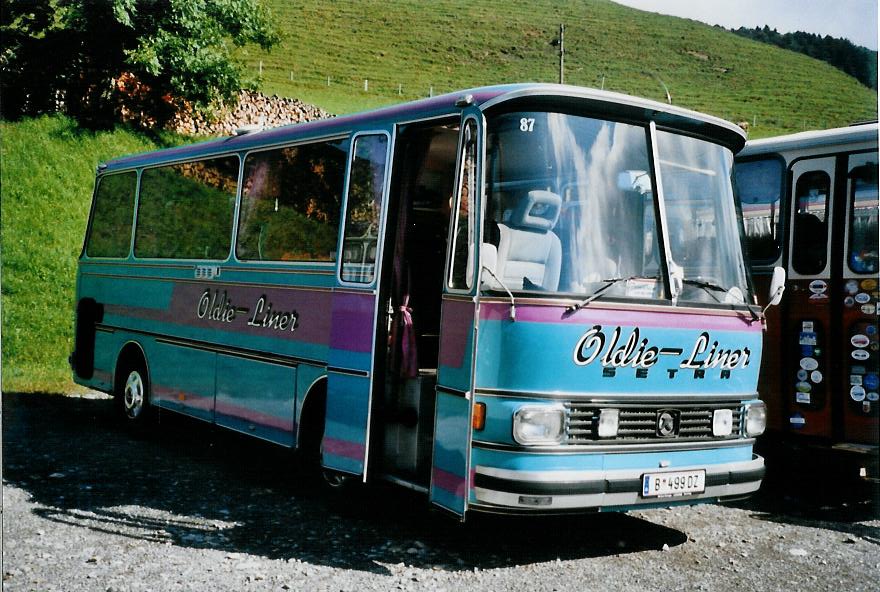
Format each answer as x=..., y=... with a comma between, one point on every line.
x=810, y=205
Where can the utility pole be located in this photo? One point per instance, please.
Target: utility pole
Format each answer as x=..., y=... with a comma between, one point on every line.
x=562, y=53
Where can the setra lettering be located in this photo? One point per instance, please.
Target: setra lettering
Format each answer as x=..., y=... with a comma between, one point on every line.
x=613, y=351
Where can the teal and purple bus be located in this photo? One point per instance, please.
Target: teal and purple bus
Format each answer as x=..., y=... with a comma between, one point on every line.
x=522, y=298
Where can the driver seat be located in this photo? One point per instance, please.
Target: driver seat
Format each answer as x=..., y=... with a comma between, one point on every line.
x=529, y=252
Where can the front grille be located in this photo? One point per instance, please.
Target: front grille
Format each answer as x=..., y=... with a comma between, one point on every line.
x=638, y=423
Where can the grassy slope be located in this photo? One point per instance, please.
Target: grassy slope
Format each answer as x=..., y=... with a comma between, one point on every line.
x=450, y=44
x=47, y=175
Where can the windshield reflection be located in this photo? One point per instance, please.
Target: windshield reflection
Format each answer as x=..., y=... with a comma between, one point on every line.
x=704, y=238
x=570, y=210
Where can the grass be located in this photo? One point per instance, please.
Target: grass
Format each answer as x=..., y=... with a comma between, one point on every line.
x=412, y=47
x=47, y=175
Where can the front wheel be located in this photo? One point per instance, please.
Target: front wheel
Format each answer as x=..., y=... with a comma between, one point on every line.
x=337, y=481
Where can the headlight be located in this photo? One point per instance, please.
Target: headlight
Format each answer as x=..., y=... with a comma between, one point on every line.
x=722, y=422
x=609, y=421
x=540, y=424
x=756, y=419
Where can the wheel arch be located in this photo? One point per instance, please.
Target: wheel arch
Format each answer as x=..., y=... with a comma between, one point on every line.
x=312, y=414
x=131, y=350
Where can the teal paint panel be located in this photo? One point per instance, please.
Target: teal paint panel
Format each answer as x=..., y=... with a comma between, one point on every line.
x=345, y=431
x=541, y=357
x=257, y=398
x=107, y=346
x=449, y=470
x=130, y=292
x=182, y=379
x=596, y=461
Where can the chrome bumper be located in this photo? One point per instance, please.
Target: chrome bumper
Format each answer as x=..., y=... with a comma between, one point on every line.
x=568, y=490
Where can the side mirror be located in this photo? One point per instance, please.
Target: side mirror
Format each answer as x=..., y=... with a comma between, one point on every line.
x=777, y=287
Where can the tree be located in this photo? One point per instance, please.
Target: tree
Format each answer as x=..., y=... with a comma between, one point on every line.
x=92, y=57
x=859, y=62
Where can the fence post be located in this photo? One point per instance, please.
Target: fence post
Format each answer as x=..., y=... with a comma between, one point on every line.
x=328, y=81
x=431, y=91
x=261, y=67
x=399, y=89
x=366, y=85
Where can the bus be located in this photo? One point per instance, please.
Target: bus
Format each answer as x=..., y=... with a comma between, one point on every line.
x=809, y=203
x=512, y=299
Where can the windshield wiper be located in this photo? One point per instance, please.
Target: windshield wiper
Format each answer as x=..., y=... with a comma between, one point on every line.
x=709, y=287
x=608, y=284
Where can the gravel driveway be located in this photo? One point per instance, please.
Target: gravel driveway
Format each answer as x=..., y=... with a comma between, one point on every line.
x=88, y=506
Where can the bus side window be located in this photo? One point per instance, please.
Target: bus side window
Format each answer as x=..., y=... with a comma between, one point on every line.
x=364, y=208
x=463, y=240
x=290, y=203
x=110, y=234
x=862, y=254
x=185, y=210
x=809, y=243
x=760, y=184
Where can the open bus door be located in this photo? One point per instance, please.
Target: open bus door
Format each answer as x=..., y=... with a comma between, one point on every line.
x=351, y=368
x=450, y=459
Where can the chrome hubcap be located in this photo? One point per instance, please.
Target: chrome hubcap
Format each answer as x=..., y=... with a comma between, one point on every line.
x=133, y=396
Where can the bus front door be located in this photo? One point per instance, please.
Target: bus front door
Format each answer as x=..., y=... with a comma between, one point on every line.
x=450, y=460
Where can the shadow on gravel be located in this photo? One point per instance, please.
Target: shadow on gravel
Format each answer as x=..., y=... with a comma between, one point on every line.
x=836, y=510
x=194, y=485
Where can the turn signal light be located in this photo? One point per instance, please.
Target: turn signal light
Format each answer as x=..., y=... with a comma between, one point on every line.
x=479, y=421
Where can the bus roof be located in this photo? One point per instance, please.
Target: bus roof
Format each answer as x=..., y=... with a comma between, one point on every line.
x=486, y=98
x=858, y=133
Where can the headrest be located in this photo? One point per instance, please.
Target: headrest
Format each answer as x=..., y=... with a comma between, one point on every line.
x=538, y=210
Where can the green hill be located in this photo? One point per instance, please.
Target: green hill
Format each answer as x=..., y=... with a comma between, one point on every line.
x=47, y=175
x=409, y=47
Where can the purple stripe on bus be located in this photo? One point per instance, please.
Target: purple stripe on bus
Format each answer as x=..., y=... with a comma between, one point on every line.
x=344, y=448
x=296, y=315
x=447, y=481
x=353, y=322
x=455, y=330
x=671, y=320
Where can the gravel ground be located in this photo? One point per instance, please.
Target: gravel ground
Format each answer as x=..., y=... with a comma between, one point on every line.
x=88, y=506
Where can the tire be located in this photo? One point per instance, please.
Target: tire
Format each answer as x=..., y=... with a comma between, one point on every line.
x=133, y=394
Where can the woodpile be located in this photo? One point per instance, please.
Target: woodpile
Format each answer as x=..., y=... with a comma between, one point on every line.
x=253, y=108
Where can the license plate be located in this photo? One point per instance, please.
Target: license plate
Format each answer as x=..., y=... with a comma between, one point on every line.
x=673, y=483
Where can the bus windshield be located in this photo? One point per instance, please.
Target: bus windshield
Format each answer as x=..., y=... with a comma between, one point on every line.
x=571, y=210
